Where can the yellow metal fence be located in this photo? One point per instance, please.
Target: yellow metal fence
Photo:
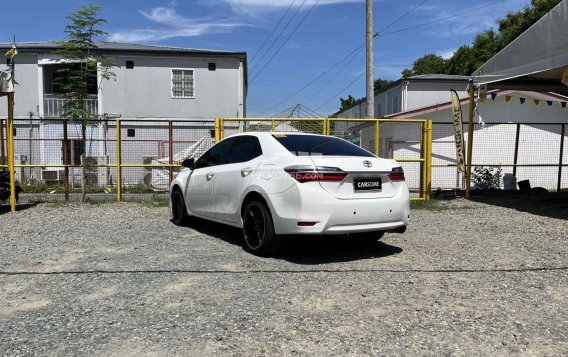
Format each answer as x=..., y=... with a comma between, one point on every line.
x=374, y=135
x=127, y=152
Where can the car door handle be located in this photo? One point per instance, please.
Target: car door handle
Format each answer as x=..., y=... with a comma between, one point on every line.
x=246, y=171
x=209, y=175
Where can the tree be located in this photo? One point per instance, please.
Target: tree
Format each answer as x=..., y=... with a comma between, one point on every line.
x=79, y=77
x=381, y=83
x=347, y=103
x=487, y=44
x=430, y=63
x=515, y=23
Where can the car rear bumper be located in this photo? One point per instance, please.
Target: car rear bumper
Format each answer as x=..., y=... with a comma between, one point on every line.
x=331, y=215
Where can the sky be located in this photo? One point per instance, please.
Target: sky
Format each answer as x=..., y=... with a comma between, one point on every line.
x=317, y=59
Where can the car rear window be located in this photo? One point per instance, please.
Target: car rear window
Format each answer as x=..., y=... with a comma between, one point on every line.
x=312, y=145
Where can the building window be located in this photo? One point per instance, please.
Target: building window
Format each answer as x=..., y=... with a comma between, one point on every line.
x=129, y=64
x=183, y=85
x=395, y=106
x=131, y=133
x=212, y=66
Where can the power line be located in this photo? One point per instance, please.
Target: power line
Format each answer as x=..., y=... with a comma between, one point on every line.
x=273, y=29
x=335, y=77
x=357, y=49
x=280, y=34
x=402, y=17
x=383, y=34
x=287, y=39
x=442, y=19
x=343, y=90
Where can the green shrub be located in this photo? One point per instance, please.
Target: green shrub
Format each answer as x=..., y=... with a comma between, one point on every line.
x=487, y=178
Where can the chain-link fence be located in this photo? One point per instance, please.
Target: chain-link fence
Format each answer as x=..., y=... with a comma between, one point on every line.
x=49, y=156
x=536, y=152
x=49, y=153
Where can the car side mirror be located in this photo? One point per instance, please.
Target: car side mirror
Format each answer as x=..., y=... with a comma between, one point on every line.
x=188, y=163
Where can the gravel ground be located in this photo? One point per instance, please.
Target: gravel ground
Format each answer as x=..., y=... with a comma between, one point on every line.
x=483, y=278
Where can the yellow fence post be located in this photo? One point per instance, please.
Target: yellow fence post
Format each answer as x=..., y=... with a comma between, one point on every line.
x=377, y=137
x=326, y=126
x=273, y=125
x=469, y=139
x=10, y=136
x=216, y=130
x=428, y=163
x=118, y=163
x=423, y=151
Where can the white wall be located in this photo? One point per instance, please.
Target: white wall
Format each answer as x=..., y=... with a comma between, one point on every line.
x=423, y=94
x=26, y=98
x=419, y=94
x=145, y=90
x=385, y=102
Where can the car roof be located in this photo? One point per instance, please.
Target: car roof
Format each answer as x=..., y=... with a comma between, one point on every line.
x=271, y=133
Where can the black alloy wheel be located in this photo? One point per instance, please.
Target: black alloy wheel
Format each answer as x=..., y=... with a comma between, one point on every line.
x=258, y=229
x=179, y=212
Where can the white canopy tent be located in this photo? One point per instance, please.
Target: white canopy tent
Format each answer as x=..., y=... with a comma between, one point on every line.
x=536, y=60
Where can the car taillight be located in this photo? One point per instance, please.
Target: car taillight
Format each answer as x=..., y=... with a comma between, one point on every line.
x=320, y=173
x=397, y=174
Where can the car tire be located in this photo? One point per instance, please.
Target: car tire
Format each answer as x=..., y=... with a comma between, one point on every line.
x=179, y=211
x=258, y=229
x=369, y=237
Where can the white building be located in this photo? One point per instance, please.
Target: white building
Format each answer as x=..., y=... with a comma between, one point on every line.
x=409, y=94
x=538, y=118
x=153, y=84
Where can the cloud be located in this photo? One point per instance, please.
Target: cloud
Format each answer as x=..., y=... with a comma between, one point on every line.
x=469, y=23
x=285, y=3
x=256, y=7
x=446, y=54
x=174, y=25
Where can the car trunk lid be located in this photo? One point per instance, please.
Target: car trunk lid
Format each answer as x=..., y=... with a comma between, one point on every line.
x=367, y=177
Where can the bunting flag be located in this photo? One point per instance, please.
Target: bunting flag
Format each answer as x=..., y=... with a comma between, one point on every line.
x=482, y=93
x=508, y=98
x=12, y=52
x=537, y=101
x=493, y=96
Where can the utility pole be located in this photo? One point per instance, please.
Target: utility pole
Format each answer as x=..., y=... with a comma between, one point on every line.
x=370, y=62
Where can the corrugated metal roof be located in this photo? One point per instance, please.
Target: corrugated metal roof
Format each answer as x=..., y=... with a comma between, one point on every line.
x=124, y=47
x=440, y=77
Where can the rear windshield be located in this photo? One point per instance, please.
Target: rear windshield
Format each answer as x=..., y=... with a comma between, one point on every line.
x=312, y=145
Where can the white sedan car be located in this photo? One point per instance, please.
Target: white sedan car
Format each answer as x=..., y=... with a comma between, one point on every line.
x=276, y=184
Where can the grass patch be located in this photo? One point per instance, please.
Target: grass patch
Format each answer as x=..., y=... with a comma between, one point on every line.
x=432, y=205
x=91, y=201
x=150, y=203
x=436, y=205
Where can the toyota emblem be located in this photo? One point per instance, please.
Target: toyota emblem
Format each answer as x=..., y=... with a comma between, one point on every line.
x=367, y=163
